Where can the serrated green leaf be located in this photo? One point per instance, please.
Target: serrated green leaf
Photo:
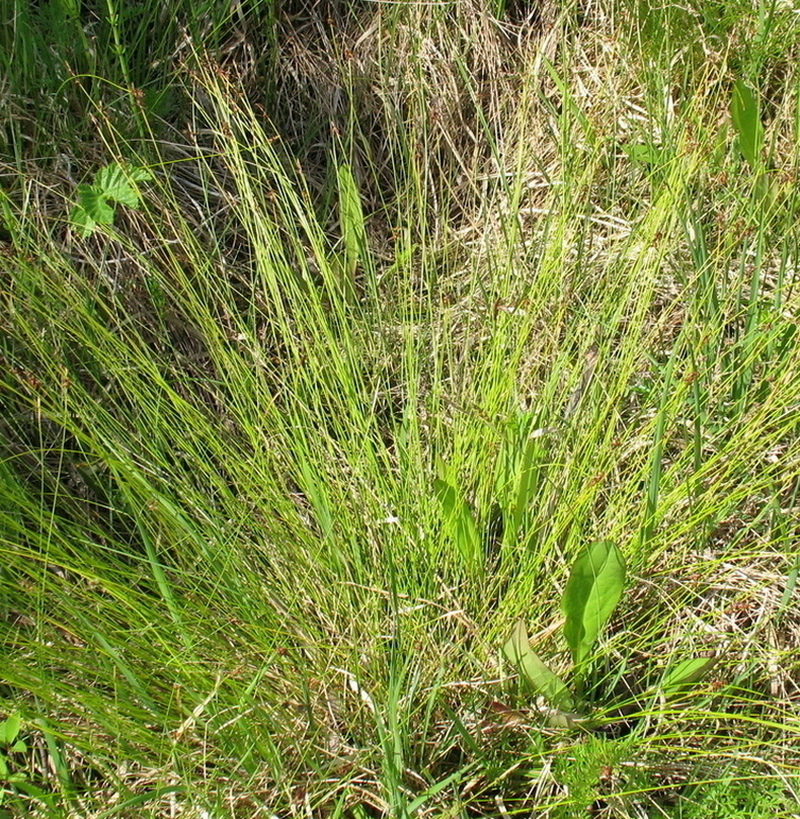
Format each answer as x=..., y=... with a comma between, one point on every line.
x=113, y=183
x=687, y=672
x=592, y=592
x=138, y=174
x=81, y=220
x=93, y=202
x=746, y=118
x=519, y=652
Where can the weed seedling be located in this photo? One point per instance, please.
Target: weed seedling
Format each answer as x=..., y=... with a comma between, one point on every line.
x=594, y=589
x=113, y=184
x=10, y=744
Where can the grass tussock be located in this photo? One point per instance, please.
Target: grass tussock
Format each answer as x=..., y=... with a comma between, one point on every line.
x=419, y=299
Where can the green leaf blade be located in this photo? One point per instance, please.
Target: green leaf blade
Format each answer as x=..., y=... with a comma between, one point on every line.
x=352, y=224
x=117, y=184
x=746, y=118
x=93, y=202
x=9, y=729
x=82, y=221
x=687, y=672
x=138, y=174
x=519, y=652
x=592, y=593
x=461, y=522
x=527, y=483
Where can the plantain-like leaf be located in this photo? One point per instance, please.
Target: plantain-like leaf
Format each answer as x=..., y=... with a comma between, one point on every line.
x=351, y=219
x=458, y=514
x=9, y=729
x=519, y=652
x=592, y=592
x=746, y=118
x=687, y=672
x=527, y=483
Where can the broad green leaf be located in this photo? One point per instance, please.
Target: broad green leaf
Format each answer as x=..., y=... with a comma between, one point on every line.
x=9, y=221
x=159, y=101
x=567, y=719
x=592, y=592
x=746, y=118
x=643, y=153
x=9, y=729
x=447, y=495
x=519, y=652
x=351, y=219
x=114, y=183
x=93, y=201
x=81, y=220
x=19, y=747
x=138, y=174
x=3, y=768
x=119, y=184
x=766, y=190
x=461, y=521
x=720, y=146
x=687, y=672
x=527, y=482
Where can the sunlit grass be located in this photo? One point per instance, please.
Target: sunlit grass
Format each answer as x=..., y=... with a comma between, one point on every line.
x=524, y=258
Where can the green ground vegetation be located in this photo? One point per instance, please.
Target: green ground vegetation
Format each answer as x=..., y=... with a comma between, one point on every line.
x=331, y=333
